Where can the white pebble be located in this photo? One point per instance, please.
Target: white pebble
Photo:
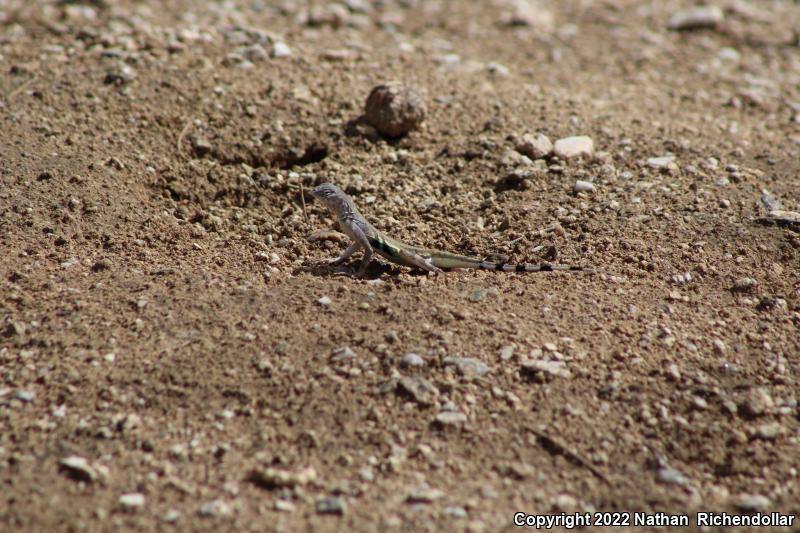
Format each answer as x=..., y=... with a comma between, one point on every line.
x=660, y=162
x=281, y=49
x=695, y=18
x=324, y=301
x=572, y=147
x=583, y=186
x=133, y=500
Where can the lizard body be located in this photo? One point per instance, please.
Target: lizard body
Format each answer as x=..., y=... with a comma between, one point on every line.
x=367, y=238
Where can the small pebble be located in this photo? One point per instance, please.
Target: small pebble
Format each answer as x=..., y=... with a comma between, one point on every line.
x=541, y=370
x=78, y=468
x=171, y=516
x=455, y=512
x=215, y=508
x=25, y=395
x=281, y=49
x=120, y=74
x=481, y=294
x=285, y=506
x=132, y=501
x=450, y=419
x=572, y=147
x=695, y=18
x=419, y=389
x=330, y=506
x=412, y=360
x=324, y=301
x=583, y=186
x=744, y=285
x=752, y=503
x=769, y=431
x=757, y=402
x=424, y=495
x=672, y=476
x=468, y=367
x=535, y=146
x=661, y=162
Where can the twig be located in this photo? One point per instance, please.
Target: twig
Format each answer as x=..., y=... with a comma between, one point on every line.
x=183, y=134
x=21, y=87
x=556, y=447
x=303, y=201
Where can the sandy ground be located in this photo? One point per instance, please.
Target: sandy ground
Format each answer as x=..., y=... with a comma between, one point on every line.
x=166, y=362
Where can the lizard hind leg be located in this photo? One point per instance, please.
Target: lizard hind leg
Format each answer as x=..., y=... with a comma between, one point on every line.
x=414, y=259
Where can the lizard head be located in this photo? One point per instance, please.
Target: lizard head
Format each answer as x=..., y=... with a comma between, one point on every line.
x=328, y=193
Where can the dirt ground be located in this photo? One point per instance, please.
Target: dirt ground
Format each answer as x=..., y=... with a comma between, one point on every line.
x=175, y=352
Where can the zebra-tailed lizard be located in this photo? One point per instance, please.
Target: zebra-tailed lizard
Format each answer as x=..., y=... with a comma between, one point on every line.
x=367, y=238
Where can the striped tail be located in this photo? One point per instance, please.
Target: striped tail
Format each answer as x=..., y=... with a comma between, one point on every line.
x=526, y=267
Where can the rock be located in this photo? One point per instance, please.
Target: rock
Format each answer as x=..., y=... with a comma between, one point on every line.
x=120, y=74
x=330, y=505
x=412, y=360
x=545, y=370
x=132, y=501
x=672, y=476
x=468, y=367
x=455, y=512
x=744, y=285
x=78, y=468
x=200, y=145
x=572, y=147
x=535, y=146
x=769, y=201
x=254, y=52
x=517, y=470
x=481, y=294
x=215, y=508
x=757, y=402
x=512, y=158
x=424, y=494
x=661, y=162
x=418, y=389
x=324, y=301
x=583, y=186
x=450, y=419
x=529, y=13
x=285, y=506
x=171, y=516
x=273, y=478
x=498, y=70
x=280, y=49
x=565, y=503
x=25, y=395
x=102, y=264
x=394, y=109
x=345, y=353
x=752, y=503
x=769, y=431
x=696, y=18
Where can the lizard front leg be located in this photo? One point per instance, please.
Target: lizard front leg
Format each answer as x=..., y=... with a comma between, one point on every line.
x=345, y=255
x=361, y=241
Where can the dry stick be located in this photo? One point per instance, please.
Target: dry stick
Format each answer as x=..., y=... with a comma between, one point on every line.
x=303, y=201
x=21, y=88
x=183, y=134
x=553, y=446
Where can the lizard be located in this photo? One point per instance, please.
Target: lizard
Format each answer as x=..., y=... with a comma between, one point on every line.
x=370, y=240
